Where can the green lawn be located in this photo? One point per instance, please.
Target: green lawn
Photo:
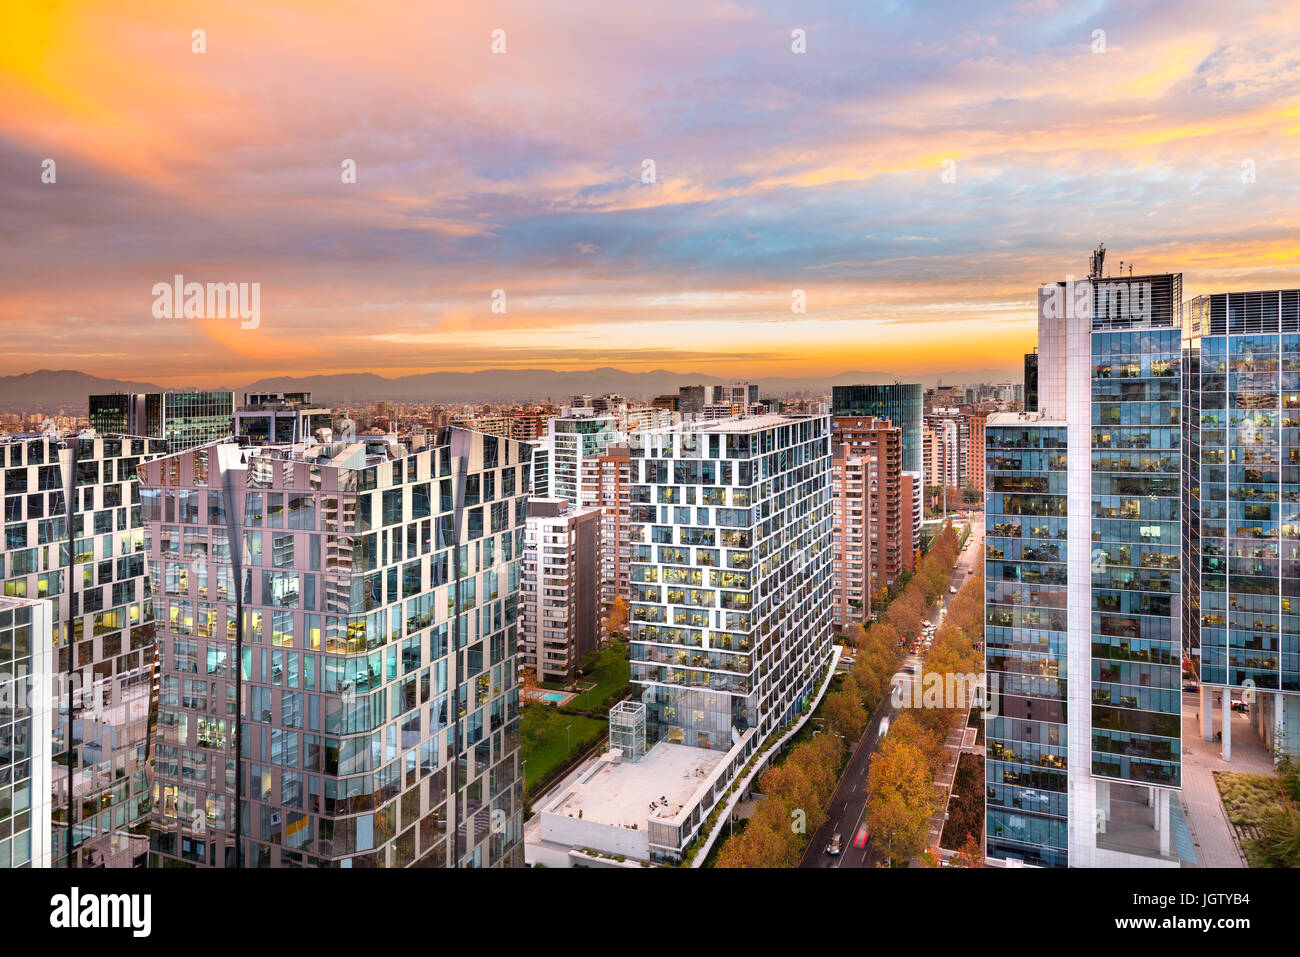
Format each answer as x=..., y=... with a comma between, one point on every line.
x=609, y=669
x=546, y=744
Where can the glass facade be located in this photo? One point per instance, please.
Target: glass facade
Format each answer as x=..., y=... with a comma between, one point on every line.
x=901, y=403
x=1242, y=390
x=182, y=419
x=195, y=418
x=1026, y=642
x=1136, y=645
x=380, y=695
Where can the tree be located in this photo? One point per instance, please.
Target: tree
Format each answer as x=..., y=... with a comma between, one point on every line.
x=902, y=829
x=902, y=798
x=532, y=690
x=970, y=855
x=845, y=714
x=617, y=622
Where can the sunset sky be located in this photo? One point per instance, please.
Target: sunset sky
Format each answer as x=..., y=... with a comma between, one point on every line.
x=522, y=171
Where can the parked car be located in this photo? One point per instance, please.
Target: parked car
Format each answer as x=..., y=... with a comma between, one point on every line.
x=833, y=848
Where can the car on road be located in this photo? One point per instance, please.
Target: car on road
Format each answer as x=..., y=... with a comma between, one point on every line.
x=863, y=835
x=952, y=589
x=833, y=848
x=1191, y=686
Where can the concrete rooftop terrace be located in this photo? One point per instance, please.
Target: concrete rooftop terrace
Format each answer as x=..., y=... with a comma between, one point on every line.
x=620, y=793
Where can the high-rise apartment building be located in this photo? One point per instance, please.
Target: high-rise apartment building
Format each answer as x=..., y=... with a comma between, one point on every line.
x=79, y=497
x=607, y=483
x=559, y=613
x=1083, y=598
x=850, y=563
x=731, y=574
x=183, y=419
x=27, y=687
x=976, y=423
x=374, y=589
x=873, y=523
x=1241, y=573
x=570, y=438
x=900, y=403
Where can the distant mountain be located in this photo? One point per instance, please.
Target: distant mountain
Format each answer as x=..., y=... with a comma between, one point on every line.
x=487, y=385
x=49, y=390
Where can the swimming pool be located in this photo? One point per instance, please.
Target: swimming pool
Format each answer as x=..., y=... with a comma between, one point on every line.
x=554, y=696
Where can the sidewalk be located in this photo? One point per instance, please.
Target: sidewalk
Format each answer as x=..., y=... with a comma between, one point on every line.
x=1216, y=844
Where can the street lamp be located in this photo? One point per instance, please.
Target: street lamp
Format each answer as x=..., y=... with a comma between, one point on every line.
x=568, y=738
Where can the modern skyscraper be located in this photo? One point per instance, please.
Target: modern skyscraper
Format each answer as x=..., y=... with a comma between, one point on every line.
x=103, y=610
x=1241, y=574
x=27, y=687
x=559, y=615
x=1083, y=643
x=374, y=589
x=900, y=403
x=183, y=419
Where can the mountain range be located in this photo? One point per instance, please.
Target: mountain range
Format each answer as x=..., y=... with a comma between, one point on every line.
x=46, y=389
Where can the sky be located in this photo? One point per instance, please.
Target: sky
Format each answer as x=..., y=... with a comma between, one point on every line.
x=913, y=176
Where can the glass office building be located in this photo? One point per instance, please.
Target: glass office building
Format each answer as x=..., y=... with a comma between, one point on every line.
x=1026, y=641
x=1083, y=586
x=183, y=419
x=900, y=403
x=1242, y=499
x=378, y=586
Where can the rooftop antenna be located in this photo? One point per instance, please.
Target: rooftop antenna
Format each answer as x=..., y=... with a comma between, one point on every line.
x=1098, y=259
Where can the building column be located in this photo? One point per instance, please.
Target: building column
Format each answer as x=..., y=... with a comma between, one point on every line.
x=1207, y=714
x=1279, y=742
x=1227, y=723
x=1163, y=798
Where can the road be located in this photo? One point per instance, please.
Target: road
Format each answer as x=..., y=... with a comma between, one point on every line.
x=848, y=808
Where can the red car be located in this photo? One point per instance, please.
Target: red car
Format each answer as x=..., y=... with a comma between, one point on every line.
x=864, y=835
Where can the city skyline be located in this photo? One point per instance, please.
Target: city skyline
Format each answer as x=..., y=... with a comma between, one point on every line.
x=912, y=170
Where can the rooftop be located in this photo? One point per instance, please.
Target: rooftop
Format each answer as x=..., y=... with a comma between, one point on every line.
x=624, y=793
x=1022, y=418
